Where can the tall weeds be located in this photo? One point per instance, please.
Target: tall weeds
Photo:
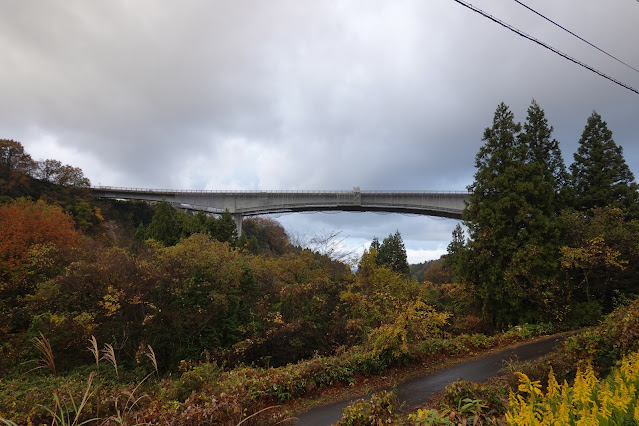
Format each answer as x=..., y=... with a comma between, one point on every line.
x=46, y=354
x=95, y=351
x=124, y=410
x=69, y=415
x=151, y=355
x=109, y=355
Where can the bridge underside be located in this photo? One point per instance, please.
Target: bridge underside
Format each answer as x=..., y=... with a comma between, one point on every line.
x=451, y=214
x=240, y=204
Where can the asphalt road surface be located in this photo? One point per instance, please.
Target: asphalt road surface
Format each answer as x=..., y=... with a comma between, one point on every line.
x=417, y=390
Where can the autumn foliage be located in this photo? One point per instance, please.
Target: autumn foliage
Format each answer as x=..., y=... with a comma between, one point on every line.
x=24, y=224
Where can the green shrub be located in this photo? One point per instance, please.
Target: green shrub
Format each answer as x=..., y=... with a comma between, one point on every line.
x=584, y=314
x=462, y=390
x=381, y=409
x=193, y=380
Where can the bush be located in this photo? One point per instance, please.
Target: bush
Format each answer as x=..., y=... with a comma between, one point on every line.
x=381, y=409
x=460, y=391
x=584, y=314
x=193, y=380
x=526, y=331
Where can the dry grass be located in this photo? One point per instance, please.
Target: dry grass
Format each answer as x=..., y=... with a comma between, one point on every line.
x=46, y=354
x=109, y=355
x=95, y=351
x=151, y=355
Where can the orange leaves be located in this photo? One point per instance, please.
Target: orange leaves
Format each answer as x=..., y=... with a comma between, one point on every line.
x=24, y=224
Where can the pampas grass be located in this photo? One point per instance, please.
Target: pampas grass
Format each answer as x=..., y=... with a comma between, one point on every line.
x=46, y=354
x=109, y=355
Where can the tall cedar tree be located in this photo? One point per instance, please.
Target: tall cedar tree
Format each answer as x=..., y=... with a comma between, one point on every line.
x=511, y=217
x=226, y=228
x=164, y=226
x=546, y=174
x=456, y=258
x=544, y=151
x=375, y=244
x=600, y=175
x=392, y=253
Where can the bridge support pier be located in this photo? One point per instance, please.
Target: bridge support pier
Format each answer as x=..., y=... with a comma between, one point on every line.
x=237, y=217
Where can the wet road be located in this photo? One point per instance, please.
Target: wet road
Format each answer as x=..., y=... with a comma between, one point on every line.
x=417, y=390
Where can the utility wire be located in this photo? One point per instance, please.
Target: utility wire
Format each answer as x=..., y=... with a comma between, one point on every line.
x=541, y=43
x=582, y=39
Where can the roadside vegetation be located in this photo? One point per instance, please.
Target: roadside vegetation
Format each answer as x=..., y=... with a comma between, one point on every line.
x=114, y=312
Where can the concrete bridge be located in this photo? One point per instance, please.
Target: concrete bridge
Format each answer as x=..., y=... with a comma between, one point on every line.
x=253, y=203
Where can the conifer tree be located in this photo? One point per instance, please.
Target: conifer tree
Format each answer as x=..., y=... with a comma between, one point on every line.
x=512, y=217
x=392, y=253
x=492, y=206
x=226, y=228
x=164, y=226
x=543, y=151
x=600, y=175
x=456, y=258
x=139, y=236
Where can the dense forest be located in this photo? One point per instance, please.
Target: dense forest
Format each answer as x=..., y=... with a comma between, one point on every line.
x=99, y=298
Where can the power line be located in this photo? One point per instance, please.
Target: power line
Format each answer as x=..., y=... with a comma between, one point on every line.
x=541, y=43
x=580, y=38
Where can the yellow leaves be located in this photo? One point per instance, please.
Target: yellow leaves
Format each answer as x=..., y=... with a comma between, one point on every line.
x=588, y=402
x=277, y=318
x=111, y=301
x=593, y=252
x=414, y=321
x=97, y=212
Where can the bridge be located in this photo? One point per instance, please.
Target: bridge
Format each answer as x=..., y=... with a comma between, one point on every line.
x=252, y=203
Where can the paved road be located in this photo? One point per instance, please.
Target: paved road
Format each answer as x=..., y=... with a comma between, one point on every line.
x=417, y=390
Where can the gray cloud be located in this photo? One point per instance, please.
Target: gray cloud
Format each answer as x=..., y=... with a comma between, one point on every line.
x=302, y=95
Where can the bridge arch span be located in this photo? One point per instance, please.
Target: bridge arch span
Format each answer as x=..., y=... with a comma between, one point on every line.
x=449, y=204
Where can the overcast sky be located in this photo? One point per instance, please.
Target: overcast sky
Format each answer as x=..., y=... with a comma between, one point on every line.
x=305, y=94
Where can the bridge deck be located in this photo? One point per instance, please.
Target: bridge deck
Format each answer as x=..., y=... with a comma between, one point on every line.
x=250, y=203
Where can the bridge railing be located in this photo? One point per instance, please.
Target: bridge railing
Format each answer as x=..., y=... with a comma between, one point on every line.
x=252, y=191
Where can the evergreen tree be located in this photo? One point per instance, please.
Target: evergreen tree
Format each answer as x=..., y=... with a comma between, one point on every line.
x=544, y=182
x=375, y=244
x=489, y=214
x=210, y=226
x=512, y=217
x=139, y=236
x=600, y=175
x=226, y=228
x=199, y=222
x=253, y=245
x=242, y=242
x=455, y=259
x=183, y=222
x=164, y=226
x=544, y=157
x=392, y=254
